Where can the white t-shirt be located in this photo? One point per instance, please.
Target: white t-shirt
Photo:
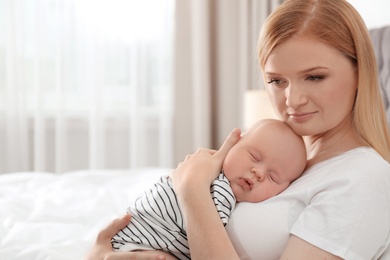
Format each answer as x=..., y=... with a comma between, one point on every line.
x=341, y=205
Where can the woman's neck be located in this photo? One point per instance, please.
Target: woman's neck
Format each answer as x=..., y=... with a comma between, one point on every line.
x=332, y=143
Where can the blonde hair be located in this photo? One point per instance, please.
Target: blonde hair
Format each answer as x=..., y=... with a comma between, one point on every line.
x=338, y=24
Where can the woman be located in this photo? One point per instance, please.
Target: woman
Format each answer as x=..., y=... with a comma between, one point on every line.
x=319, y=66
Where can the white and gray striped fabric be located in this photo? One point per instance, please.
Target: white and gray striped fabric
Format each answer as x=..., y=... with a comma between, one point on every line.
x=157, y=221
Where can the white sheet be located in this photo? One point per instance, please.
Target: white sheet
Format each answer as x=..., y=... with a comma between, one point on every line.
x=57, y=217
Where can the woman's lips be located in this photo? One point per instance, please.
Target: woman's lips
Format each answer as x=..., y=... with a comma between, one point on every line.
x=246, y=183
x=301, y=117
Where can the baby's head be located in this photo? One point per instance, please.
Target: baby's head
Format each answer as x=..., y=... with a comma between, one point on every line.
x=268, y=157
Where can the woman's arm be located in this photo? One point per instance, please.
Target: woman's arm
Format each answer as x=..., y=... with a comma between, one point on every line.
x=300, y=249
x=207, y=236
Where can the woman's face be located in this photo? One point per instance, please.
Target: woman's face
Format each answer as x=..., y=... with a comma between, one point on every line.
x=311, y=85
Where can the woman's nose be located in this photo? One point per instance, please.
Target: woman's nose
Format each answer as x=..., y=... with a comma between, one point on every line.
x=295, y=96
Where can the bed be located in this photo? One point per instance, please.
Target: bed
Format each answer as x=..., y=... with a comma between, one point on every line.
x=57, y=216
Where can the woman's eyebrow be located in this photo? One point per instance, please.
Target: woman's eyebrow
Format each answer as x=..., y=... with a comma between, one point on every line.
x=270, y=73
x=312, y=69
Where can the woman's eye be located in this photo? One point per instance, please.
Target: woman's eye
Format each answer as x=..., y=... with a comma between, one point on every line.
x=274, y=81
x=315, y=78
x=279, y=83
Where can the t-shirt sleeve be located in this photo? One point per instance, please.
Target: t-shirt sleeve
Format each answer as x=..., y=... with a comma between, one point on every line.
x=349, y=216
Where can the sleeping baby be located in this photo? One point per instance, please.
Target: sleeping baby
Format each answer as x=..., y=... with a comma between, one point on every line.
x=267, y=158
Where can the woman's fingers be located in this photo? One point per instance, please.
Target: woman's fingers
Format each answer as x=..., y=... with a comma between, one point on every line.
x=139, y=255
x=199, y=170
x=102, y=249
x=110, y=231
x=229, y=142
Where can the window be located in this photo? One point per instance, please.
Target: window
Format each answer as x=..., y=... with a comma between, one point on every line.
x=75, y=75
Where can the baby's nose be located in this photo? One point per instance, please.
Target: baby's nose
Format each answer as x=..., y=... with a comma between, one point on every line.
x=258, y=174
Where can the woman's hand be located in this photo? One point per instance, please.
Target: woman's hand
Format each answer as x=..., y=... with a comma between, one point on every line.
x=102, y=249
x=199, y=170
x=207, y=236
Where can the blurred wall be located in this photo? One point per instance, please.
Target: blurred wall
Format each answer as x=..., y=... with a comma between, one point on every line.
x=375, y=12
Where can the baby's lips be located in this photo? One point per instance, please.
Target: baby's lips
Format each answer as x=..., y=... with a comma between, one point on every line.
x=246, y=184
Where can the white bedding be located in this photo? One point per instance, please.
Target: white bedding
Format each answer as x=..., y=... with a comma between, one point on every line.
x=57, y=216
x=49, y=216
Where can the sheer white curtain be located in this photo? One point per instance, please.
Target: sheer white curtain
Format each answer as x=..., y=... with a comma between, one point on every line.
x=85, y=84
x=215, y=63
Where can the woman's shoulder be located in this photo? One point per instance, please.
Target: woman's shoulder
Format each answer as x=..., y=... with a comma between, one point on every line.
x=363, y=152
x=362, y=167
x=353, y=185
x=359, y=160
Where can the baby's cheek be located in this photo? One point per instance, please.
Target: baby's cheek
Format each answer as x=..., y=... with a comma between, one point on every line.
x=238, y=192
x=281, y=188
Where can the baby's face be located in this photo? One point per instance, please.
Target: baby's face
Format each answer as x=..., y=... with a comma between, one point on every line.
x=264, y=163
